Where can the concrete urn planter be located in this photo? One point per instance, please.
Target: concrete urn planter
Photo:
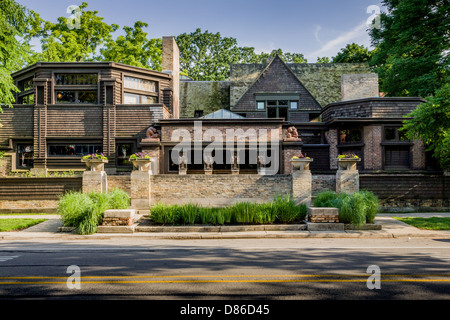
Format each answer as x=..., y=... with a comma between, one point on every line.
x=348, y=163
x=142, y=164
x=301, y=163
x=95, y=164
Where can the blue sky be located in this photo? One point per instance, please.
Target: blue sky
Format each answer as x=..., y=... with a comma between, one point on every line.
x=315, y=28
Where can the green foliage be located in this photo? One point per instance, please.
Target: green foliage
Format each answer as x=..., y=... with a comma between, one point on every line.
x=281, y=210
x=356, y=208
x=325, y=199
x=323, y=60
x=14, y=48
x=372, y=205
x=85, y=211
x=353, y=53
x=134, y=49
x=62, y=43
x=353, y=209
x=208, y=56
x=411, y=55
x=430, y=122
x=73, y=207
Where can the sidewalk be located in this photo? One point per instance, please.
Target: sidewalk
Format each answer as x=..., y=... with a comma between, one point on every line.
x=391, y=228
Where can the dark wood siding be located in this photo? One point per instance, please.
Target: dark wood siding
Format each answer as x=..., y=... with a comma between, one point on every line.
x=321, y=156
x=134, y=120
x=16, y=122
x=37, y=188
x=406, y=186
x=396, y=157
x=74, y=121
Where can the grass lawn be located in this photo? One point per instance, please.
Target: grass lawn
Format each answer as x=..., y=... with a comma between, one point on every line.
x=433, y=223
x=18, y=224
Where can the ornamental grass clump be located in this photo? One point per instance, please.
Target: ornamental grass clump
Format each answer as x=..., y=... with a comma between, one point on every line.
x=357, y=208
x=84, y=211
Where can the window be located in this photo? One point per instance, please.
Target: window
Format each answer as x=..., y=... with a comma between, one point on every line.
x=350, y=136
x=79, y=88
x=293, y=105
x=71, y=79
x=393, y=134
x=397, y=149
x=139, y=84
x=198, y=113
x=24, y=156
x=131, y=98
x=73, y=150
x=76, y=97
x=260, y=105
x=124, y=151
x=277, y=106
x=28, y=99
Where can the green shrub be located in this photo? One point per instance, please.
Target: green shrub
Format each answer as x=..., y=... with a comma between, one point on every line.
x=119, y=199
x=353, y=209
x=74, y=207
x=286, y=211
x=325, y=199
x=372, y=205
x=165, y=214
x=189, y=213
x=85, y=211
x=357, y=208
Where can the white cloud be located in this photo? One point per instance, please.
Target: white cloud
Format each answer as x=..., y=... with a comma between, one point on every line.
x=358, y=35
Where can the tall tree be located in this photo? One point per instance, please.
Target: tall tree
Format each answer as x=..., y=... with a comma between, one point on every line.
x=14, y=48
x=66, y=41
x=412, y=47
x=323, y=60
x=430, y=122
x=353, y=53
x=208, y=56
x=134, y=48
x=287, y=57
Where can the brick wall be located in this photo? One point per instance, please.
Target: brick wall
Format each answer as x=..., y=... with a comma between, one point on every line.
x=372, y=150
x=323, y=182
x=122, y=182
x=218, y=190
x=408, y=191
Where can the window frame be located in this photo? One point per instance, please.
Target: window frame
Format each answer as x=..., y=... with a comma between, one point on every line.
x=18, y=157
x=75, y=88
x=155, y=94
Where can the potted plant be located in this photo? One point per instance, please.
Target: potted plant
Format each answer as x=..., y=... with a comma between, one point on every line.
x=141, y=161
x=301, y=161
x=95, y=162
x=348, y=161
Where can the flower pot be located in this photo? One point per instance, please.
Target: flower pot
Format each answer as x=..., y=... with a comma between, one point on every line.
x=95, y=164
x=301, y=163
x=142, y=164
x=348, y=163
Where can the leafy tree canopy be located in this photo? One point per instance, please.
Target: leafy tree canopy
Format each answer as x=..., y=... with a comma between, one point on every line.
x=14, y=48
x=353, y=53
x=66, y=41
x=134, y=48
x=412, y=47
x=430, y=122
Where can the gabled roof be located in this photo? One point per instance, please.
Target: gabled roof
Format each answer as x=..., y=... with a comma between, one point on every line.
x=222, y=114
x=277, y=77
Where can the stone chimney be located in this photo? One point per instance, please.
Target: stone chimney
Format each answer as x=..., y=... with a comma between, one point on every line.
x=171, y=65
x=359, y=86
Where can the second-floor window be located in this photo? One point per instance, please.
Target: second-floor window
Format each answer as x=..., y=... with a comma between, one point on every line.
x=139, y=91
x=76, y=88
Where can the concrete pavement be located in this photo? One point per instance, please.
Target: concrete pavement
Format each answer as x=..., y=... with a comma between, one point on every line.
x=391, y=228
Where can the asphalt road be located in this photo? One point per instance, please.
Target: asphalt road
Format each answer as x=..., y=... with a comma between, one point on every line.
x=258, y=269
